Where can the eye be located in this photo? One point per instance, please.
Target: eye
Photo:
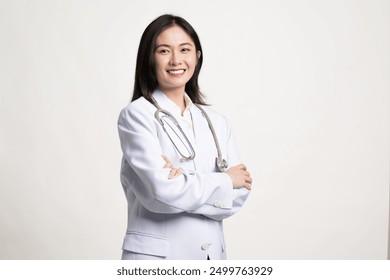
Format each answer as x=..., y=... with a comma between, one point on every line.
x=185, y=50
x=162, y=51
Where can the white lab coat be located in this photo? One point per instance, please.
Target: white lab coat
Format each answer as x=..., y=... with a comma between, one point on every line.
x=179, y=218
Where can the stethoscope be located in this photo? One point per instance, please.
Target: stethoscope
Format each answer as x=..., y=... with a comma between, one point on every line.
x=221, y=163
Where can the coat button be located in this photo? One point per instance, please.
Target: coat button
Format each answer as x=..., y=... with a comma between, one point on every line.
x=205, y=246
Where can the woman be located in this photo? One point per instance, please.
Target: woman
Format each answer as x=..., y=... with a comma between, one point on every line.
x=177, y=196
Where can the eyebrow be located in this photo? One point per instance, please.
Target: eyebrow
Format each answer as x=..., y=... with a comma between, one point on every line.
x=168, y=46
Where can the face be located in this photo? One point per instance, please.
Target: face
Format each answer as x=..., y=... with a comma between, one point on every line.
x=175, y=59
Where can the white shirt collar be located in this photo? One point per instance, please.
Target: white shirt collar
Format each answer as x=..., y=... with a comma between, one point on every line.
x=169, y=105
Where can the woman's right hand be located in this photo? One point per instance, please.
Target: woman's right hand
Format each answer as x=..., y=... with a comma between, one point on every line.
x=174, y=171
x=240, y=176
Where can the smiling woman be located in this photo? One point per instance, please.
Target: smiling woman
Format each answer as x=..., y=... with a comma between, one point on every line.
x=176, y=58
x=180, y=168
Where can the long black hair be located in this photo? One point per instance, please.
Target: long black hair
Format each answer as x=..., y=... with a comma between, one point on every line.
x=145, y=71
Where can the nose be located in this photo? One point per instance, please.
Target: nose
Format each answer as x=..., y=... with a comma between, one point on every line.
x=175, y=58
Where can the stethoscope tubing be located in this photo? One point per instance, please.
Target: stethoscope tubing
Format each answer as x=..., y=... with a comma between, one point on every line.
x=157, y=116
x=221, y=163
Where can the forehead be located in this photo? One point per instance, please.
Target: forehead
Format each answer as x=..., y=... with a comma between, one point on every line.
x=174, y=35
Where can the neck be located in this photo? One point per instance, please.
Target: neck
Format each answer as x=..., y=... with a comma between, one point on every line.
x=177, y=97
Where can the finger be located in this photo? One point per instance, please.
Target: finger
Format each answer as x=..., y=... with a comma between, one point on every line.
x=248, y=180
x=165, y=157
x=171, y=173
x=242, y=166
x=167, y=164
x=175, y=172
x=248, y=186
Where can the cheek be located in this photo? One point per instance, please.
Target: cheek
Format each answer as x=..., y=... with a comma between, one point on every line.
x=193, y=64
x=160, y=72
x=158, y=66
x=194, y=60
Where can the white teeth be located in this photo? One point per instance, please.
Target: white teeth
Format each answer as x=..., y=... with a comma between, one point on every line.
x=181, y=71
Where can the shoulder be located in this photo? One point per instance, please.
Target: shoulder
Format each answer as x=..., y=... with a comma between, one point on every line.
x=139, y=112
x=215, y=117
x=137, y=107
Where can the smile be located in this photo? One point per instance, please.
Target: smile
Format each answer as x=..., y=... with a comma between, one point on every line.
x=176, y=72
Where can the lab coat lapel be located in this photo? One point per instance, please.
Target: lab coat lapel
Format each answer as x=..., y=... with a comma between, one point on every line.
x=205, y=152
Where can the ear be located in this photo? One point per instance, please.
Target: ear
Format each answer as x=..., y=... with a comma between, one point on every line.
x=198, y=54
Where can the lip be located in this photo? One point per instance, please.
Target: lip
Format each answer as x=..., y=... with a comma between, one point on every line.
x=176, y=72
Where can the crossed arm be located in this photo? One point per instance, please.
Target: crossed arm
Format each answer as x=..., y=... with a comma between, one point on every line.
x=239, y=174
x=161, y=187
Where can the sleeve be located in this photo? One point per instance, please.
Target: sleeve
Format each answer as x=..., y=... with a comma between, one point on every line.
x=220, y=211
x=185, y=193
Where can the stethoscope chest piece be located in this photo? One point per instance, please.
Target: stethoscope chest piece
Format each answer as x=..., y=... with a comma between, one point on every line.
x=221, y=164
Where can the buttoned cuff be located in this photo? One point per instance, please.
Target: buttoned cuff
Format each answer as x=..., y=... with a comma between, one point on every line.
x=223, y=196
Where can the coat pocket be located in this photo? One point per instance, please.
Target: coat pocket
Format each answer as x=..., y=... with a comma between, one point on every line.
x=146, y=244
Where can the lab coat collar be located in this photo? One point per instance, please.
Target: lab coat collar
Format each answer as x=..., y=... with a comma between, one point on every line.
x=168, y=104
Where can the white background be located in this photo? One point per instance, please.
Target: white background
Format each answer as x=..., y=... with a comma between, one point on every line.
x=305, y=85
